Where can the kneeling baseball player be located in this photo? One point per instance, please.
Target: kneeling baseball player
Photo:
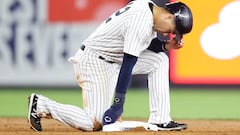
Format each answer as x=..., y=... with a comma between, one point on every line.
x=124, y=44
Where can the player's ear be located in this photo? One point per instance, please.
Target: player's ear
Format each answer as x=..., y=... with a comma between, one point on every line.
x=170, y=17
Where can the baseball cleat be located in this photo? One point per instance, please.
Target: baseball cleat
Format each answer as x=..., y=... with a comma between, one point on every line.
x=184, y=126
x=33, y=118
x=172, y=126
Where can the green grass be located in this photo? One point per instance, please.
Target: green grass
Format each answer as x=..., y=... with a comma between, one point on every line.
x=185, y=104
x=190, y=104
x=206, y=104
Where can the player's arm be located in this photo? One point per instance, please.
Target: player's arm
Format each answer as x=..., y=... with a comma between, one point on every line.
x=124, y=77
x=157, y=45
x=125, y=73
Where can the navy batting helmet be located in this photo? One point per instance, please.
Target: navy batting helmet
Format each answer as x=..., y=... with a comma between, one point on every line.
x=183, y=18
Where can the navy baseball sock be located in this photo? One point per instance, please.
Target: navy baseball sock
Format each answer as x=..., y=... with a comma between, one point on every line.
x=113, y=113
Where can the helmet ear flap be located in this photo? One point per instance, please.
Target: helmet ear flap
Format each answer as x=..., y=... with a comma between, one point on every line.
x=178, y=36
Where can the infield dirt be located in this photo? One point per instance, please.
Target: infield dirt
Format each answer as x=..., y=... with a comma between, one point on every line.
x=20, y=126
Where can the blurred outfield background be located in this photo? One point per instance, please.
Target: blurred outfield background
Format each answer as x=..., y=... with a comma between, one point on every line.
x=186, y=103
x=38, y=36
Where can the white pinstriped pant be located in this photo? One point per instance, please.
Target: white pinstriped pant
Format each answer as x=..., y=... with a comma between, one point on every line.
x=98, y=78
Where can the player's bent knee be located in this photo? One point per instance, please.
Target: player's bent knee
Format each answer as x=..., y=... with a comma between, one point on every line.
x=91, y=126
x=97, y=126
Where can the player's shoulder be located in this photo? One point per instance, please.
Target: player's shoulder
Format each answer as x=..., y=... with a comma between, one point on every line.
x=143, y=2
x=142, y=5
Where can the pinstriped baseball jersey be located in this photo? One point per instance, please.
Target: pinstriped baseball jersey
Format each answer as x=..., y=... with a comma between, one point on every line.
x=128, y=30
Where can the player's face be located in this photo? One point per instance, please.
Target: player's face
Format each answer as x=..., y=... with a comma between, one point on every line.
x=165, y=25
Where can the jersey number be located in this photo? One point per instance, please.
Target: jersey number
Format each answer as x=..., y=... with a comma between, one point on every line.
x=119, y=12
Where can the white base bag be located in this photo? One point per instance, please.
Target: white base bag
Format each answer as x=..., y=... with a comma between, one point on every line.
x=128, y=125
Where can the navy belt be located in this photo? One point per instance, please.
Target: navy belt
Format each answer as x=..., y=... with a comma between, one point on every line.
x=100, y=57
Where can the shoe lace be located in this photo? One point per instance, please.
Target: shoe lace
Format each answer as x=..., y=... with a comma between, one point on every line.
x=38, y=120
x=172, y=124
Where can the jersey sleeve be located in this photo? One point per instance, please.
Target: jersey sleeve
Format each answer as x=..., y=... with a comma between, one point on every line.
x=139, y=33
